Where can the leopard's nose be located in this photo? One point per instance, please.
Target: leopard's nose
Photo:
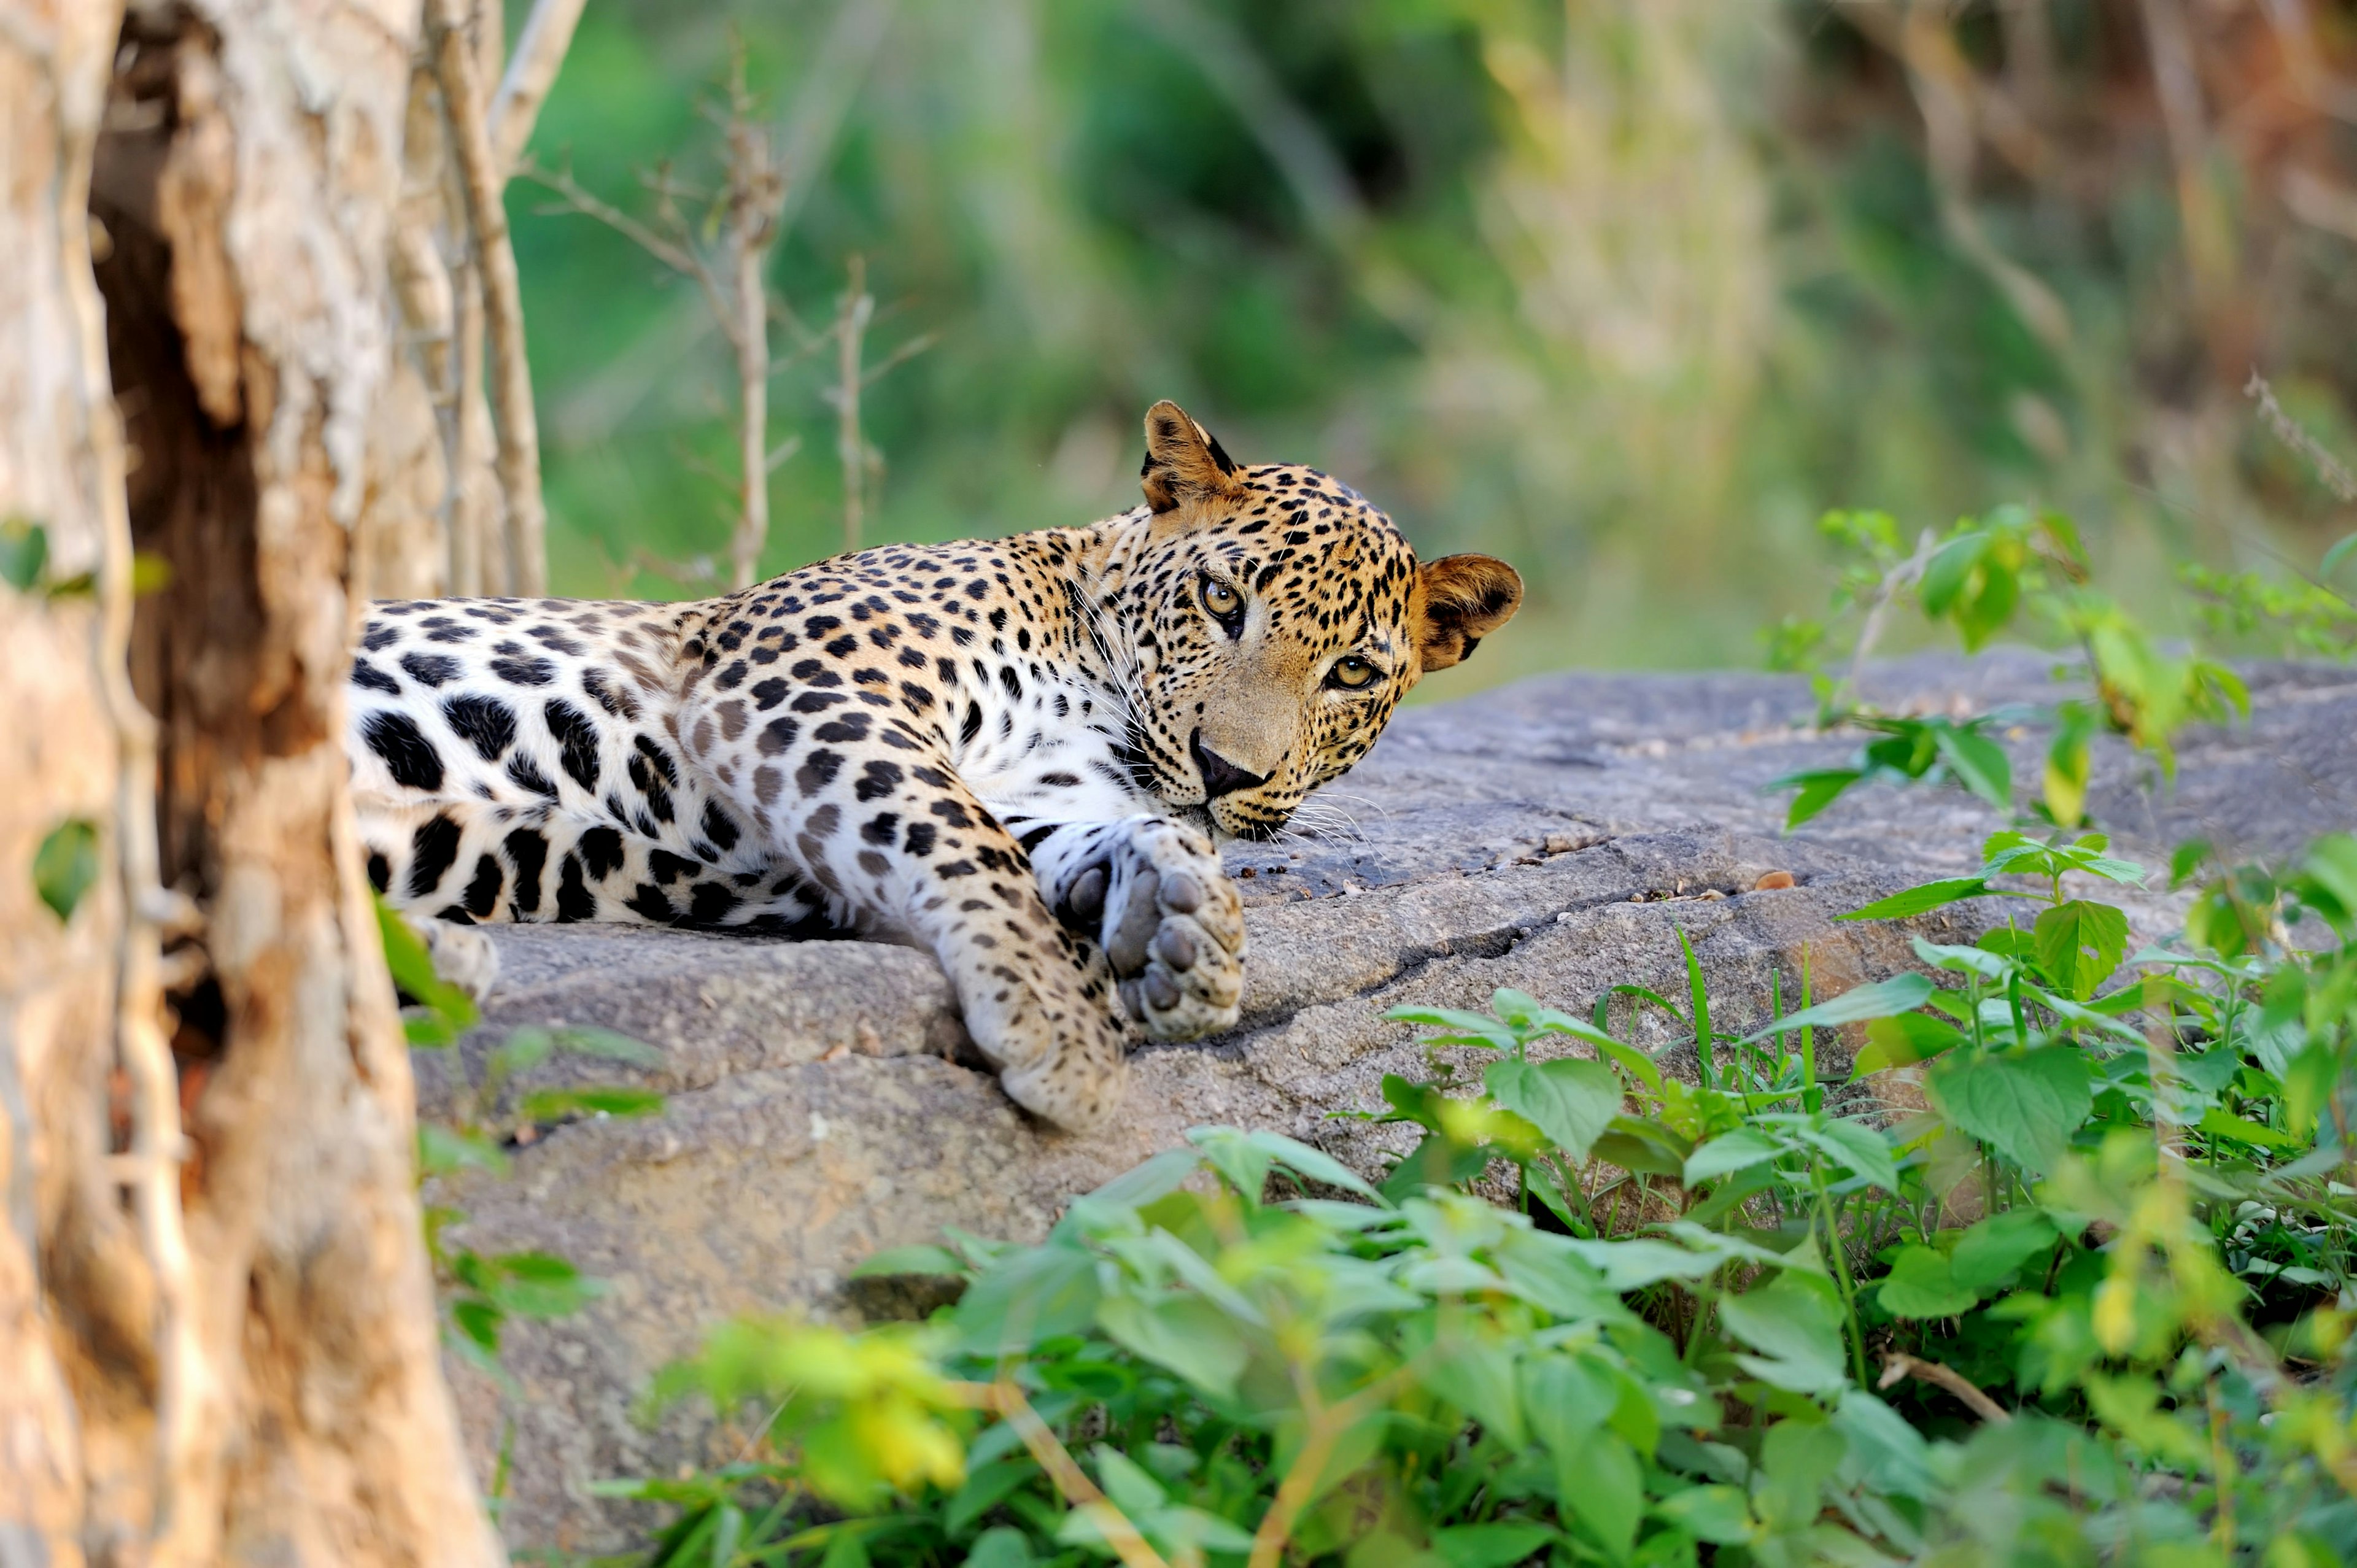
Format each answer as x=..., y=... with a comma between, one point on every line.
x=1221, y=776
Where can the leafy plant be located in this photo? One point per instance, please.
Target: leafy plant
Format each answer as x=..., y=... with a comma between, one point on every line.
x=2011, y=571
x=2104, y=1270
x=482, y=1292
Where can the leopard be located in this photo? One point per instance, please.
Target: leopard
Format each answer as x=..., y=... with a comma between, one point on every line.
x=1023, y=754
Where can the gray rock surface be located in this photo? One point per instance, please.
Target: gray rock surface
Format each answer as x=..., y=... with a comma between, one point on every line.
x=1552, y=836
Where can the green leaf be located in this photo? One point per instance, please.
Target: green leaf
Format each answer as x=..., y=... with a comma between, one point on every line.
x=1570, y=1100
x=1496, y=1545
x=1185, y=1334
x=1641, y=1262
x=541, y=1284
x=1949, y=570
x=24, y=552
x=583, y=1040
x=1817, y=791
x=2079, y=943
x=1920, y=1285
x=1883, y=999
x=1718, y=1514
x=66, y=865
x=1027, y=1297
x=984, y=1488
x=449, y=1011
x=442, y=1150
x=916, y=1260
x=2221, y=1123
x=1858, y=1146
x=2336, y=555
x=599, y=1099
x=1904, y=1040
x=1603, y=1486
x=1002, y=1546
x=1987, y=1254
x=1735, y=1151
x=2026, y=1105
x=1979, y=764
x=1795, y=1324
x=1915, y=900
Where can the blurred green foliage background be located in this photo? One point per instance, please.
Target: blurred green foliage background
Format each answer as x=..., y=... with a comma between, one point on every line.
x=1625, y=291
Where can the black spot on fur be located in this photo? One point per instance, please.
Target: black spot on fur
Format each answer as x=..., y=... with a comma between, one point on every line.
x=577, y=741
x=877, y=780
x=650, y=902
x=526, y=775
x=719, y=827
x=817, y=771
x=367, y=675
x=430, y=668
x=483, y=893
x=523, y=671
x=667, y=868
x=849, y=727
x=484, y=723
x=574, y=899
x=711, y=904
x=778, y=735
x=379, y=872
x=408, y=755
x=528, y=851
x=432, y=851
x=601, y=851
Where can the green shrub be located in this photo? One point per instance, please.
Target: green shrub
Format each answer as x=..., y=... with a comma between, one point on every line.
x=2089, y=1306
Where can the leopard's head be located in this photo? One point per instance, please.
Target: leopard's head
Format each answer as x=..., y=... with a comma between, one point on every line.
x=1273, y=620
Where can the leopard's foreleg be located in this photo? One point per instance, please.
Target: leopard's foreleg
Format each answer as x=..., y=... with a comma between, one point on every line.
x=1150, y=893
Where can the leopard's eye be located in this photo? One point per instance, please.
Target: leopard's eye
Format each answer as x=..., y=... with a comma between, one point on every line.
x=1224, y=603
x=1351, y=672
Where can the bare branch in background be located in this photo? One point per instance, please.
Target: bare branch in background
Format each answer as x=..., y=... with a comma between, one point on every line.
x=2292, y=434
x=482, y=180
x=850, y=329
x=749, y=227
x=743, y=220
x=532, y=70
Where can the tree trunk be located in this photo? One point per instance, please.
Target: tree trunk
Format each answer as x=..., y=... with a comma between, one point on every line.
x=219, y=1348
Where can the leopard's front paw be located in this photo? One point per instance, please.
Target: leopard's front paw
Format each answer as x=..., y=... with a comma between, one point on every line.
x=1172, y=927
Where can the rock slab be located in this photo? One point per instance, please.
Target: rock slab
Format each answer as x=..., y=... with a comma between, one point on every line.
x=1554, y=836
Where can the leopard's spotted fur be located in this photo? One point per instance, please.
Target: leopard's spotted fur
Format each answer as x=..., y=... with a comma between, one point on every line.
x=1018, y=753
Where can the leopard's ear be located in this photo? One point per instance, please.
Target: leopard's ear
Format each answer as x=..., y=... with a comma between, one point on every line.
x=1184, y=461
x=1458, y=600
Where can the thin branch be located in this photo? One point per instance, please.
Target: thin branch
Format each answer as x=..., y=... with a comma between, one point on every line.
x=756, y=196
x=899, y=356
x=677, y=255
x=1899, y=1364
x=1003, y=1400
x=2292, y=434
x=851, y=452
x=482, y=180
x=532, y=70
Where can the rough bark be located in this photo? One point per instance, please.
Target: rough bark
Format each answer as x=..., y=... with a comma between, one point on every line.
x=220, y=1347
x=57, y=980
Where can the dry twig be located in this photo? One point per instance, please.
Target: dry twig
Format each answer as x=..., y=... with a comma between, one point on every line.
x=1899, y=1364
x=481, y=179
x=1003, y=1400
x=532, y=70
x=2292, y=434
